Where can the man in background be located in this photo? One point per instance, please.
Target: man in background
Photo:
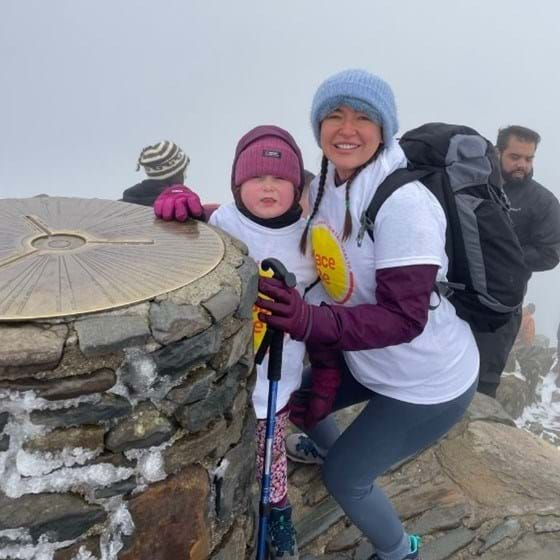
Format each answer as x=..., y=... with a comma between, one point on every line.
x=536, y=219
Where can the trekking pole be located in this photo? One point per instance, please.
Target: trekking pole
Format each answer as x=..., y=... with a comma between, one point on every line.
x=274, y=340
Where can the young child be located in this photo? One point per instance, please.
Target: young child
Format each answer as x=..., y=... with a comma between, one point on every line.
x=267, y=181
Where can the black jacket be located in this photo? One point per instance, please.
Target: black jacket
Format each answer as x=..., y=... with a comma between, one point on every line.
x=144, y=193
x=536, y=217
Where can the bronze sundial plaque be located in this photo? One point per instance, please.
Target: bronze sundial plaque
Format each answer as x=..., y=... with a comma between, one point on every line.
x=68, y=256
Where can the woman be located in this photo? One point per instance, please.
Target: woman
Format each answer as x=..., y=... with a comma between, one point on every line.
x=381, y=334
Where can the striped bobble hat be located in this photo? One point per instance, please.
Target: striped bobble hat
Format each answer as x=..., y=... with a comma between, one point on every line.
x=162, y=160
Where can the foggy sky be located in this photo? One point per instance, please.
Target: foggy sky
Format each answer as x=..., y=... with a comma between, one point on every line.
x=87, y=84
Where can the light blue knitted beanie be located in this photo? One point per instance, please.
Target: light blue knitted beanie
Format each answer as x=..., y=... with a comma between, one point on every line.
x=360, y=91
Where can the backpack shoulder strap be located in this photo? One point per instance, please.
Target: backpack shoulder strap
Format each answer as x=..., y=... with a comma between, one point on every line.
x=391, y=183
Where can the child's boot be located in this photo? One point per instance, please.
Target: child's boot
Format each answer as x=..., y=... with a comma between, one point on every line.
x=282, y=543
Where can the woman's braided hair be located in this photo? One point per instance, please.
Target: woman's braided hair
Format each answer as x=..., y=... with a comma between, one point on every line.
x=347, y=231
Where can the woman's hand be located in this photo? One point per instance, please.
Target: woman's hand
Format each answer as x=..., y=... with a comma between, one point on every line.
x=179, y=203
x=288, y=312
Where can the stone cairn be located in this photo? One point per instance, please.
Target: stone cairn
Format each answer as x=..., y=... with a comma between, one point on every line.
x=129, y=434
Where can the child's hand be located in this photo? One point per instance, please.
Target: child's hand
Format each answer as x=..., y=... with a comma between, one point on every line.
x=178, y=202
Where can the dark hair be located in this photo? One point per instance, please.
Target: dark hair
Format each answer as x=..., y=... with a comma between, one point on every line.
x=347, y=231
x=523, y=133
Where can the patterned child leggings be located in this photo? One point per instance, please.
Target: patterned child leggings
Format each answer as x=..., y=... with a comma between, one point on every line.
x=279, y=467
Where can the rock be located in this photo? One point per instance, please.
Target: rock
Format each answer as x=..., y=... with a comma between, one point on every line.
x=499, y=478
x=236, y=476
x=4, y=417
x=197, y=416
x=120, y=487
x=91, y=545
x=344, y=540
x=170, y=519
x=233, y=349
x=86, y=437
x=145, y=427
x=509, y=529
x=108, y=407
x=175, y=359
x=484, y=407
x=4, y=442
x=233, y=546
x=109, y=333
x=28, y=348
x=444, y=547
x=249, y=274
x=61, y=516
x=224, y=303
x=438, y=519
x=323, y=516
x=194, y=389
x=193, y=448
x=171, y=322
x=548, y=525
x=67, y=387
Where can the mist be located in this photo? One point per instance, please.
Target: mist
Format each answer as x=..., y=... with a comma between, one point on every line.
x=88, y=84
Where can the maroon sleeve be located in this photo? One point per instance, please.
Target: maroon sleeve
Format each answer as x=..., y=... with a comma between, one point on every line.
x=209, y=209
x=400, y=314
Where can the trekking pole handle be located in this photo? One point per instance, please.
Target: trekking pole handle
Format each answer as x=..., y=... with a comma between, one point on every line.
x=279, y=271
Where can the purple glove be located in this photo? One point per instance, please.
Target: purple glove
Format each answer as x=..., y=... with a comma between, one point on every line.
x=289, y=313
x=178, y=202
x=324, y=385
x=298, y=405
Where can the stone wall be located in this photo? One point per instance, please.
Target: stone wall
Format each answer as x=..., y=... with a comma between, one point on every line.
x=129, y=434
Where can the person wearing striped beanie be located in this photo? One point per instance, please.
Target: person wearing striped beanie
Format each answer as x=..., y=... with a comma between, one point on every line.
x=165, y=165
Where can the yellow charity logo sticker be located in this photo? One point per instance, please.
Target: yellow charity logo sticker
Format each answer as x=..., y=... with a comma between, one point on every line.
x=331, y=263
x=259, y=328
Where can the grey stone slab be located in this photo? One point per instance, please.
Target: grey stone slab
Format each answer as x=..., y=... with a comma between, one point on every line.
x=249, y=274
x=29, y=348
x=193, y=448
x=233, y=349
x=438, y=519
x=195, y=389
x=4, y=417
x=197, y=416
x=86, y=437
x=60, y=516
x=508, y=529
x=547, y=525
x=66, y=387
x=224, y=303
x=317, y=521
x=145, y=427
x=118, y=488
x=103, y=335
x=107, y=408
x=486, y=408
x=176, y=358
x=363, y=551
x=444, y=547
x=345, y=540
x=172, y=321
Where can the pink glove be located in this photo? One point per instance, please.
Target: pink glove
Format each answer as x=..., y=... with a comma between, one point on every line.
x=289, y=313
x=178, y=202
x=324, y=385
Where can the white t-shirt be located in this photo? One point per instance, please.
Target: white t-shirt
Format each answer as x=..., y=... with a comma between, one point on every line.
x=282, y=244
x=441, y=362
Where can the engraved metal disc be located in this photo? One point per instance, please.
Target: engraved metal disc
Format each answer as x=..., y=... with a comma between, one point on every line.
x=68, y=256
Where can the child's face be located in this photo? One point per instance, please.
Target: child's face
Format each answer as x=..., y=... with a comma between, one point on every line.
x=267, y=196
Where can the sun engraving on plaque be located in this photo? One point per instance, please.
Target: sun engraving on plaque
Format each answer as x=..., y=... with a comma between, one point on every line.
x=65, y=256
